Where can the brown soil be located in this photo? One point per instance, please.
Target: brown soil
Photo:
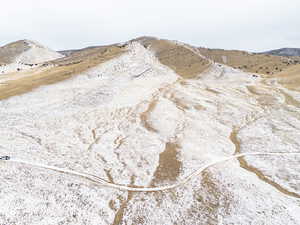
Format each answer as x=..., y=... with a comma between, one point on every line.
x=169, y=166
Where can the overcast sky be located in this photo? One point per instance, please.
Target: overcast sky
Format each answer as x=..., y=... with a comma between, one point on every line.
x=254, y=25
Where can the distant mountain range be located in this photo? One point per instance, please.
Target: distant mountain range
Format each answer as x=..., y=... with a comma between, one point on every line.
x=284, y=52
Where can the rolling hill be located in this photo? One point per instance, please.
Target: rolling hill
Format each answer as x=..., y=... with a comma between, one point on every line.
x=250, y=62
x=24, y=54
x=149, y=131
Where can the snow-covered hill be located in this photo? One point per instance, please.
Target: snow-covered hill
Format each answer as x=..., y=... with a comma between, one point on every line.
x=134, y=121
x=24, y=54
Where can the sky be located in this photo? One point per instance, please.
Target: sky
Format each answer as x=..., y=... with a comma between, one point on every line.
x=252, y=25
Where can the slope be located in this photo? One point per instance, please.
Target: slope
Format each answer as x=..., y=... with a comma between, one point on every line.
x=250, y=62
x=185, y=60
x=24, y=54
x=55, y=71
x=133, y=121
x=290, y=77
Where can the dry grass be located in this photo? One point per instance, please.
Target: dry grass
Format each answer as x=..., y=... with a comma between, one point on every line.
x=63, y=69
x=254, y=63
x=182, y=60
x=290, y=78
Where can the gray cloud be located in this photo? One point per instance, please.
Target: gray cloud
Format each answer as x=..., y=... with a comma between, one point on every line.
x=253, y=25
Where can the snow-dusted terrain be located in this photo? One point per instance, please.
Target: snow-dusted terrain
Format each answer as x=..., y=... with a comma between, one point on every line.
x=32, y=56
x=133, y=121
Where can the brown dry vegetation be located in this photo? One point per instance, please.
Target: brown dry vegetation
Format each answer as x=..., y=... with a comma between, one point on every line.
x=290, y=78
x=254, y=63
x=63, y=69
x=182, y=60
x=169, y=165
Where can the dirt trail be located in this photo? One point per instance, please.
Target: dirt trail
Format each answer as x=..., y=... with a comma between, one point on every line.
x=121, y=187
x=244, y=164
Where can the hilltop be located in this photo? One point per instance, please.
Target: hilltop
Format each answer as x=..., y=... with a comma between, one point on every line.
x=24, y=54
x=26, y=51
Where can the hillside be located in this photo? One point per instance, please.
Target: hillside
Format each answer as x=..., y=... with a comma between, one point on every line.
x=152, y=132
x=180, y=57
x=176, y=56
x=24, y=54
x=185, y=60
x=250, y=62
x=55, y=71
x=290, y=77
